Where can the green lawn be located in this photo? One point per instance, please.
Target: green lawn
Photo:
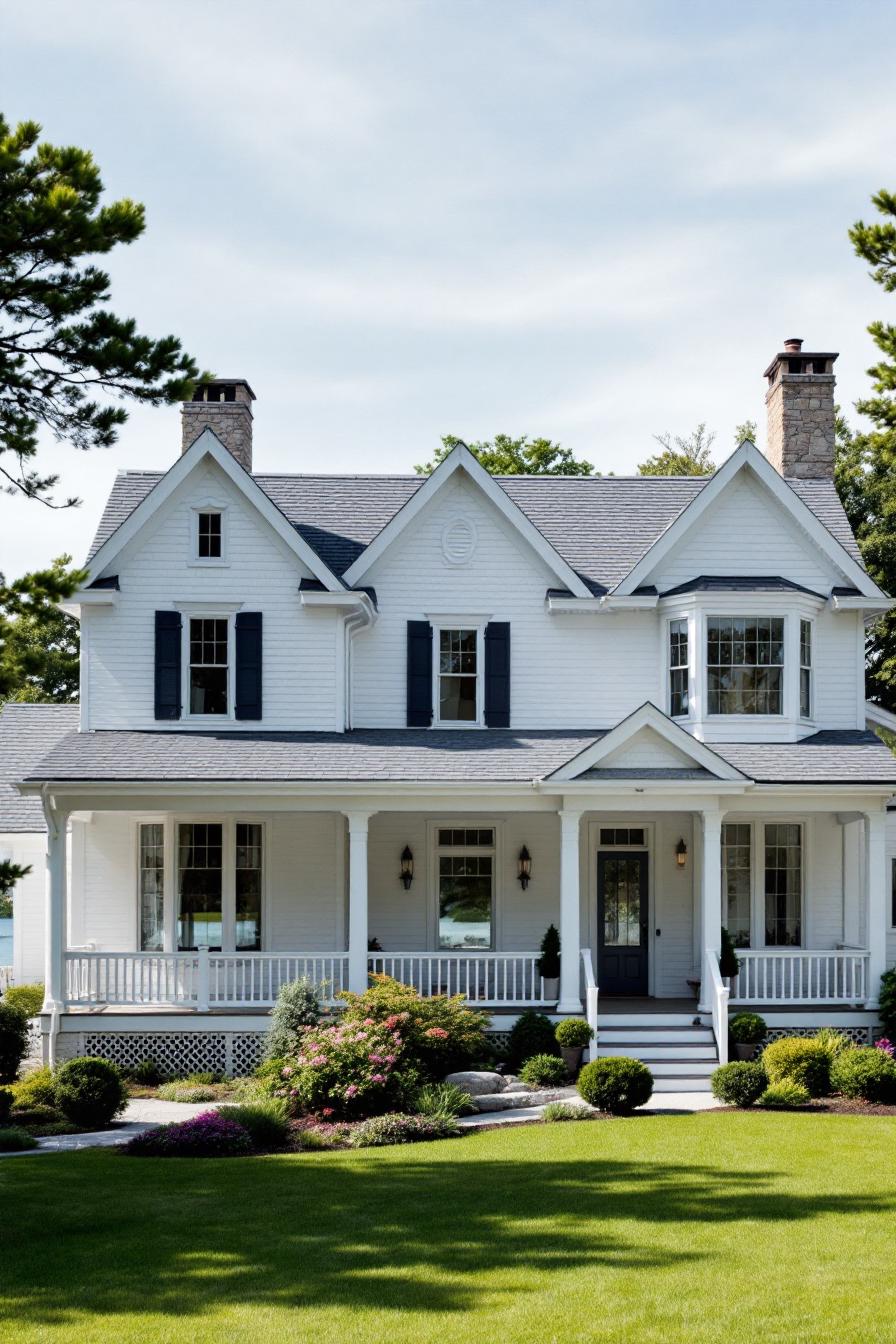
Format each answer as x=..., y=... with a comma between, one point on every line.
x=723, y=1227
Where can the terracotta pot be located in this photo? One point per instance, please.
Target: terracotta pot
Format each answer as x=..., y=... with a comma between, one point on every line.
x=744, y=1051
x=551, y=987
x=572, y=1058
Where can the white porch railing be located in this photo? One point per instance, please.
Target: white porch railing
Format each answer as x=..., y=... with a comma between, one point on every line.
x=794, y=975
x=485, y=978
x=199, y=980
x=5, y=978
x=590, y=998
x=718, y=1001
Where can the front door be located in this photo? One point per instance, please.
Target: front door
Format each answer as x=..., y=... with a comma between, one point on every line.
x=622, y=923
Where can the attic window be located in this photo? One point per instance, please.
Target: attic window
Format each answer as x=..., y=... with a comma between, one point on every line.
x=208, y=540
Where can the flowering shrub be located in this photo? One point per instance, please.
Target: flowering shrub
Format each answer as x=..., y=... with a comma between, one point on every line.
x=441, y=1034
x=207, y=1135
x=384, y=1130
x=886, y=1046
x=350, y=1069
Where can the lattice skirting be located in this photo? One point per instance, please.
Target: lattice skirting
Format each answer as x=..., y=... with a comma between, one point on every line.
x=234, y=1053
x=499, y=1039
x=858, y=1035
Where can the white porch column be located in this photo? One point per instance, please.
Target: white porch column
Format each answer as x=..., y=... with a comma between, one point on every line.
x=357, y=900
x=876, y=888
x=570, y=895
x=710, y=897
x=54, y=934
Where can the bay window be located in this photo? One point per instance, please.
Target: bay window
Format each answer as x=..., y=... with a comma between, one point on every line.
x=805, y=669
x=744, y=664
x=678, y=668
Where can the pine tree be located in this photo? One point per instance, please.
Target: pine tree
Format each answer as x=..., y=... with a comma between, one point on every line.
x=865, y=469
x=59, y=346
x=38, y=642
x=506, y=456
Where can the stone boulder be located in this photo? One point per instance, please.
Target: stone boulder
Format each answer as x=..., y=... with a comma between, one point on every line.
x=477, y=1084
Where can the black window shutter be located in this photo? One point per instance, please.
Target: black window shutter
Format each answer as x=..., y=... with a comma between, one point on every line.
x=497, y=674
x=419, y=707
x=167, y=681
x=248, y=665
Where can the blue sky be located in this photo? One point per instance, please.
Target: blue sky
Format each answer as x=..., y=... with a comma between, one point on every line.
x=397, y=220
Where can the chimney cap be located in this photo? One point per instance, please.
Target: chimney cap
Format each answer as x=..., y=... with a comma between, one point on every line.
x=793, y=344
x=792, y=347
x=220, y=383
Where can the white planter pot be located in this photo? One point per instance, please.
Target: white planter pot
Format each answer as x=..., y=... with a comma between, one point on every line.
x=551, y=988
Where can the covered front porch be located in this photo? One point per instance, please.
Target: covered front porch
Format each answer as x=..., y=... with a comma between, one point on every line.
x=639, y=881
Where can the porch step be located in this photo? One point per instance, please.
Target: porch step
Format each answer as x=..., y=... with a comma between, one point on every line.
x=682, y=1083
x=656, y=1035
x=641, y=1021
x=633, y=1050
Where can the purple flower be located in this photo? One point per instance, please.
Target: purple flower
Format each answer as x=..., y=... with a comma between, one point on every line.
x=886, y=1046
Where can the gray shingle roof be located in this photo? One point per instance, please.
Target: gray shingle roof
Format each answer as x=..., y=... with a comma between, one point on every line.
x=600, y=525
x=403, y=755
x=27, y=733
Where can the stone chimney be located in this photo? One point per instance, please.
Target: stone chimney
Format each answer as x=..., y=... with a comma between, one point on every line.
x=800, y=405
x=224, y=407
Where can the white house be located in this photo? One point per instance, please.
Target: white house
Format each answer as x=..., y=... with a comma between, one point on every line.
x=439, y=714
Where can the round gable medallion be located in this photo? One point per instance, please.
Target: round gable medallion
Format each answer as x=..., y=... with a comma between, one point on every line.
x=459, y=541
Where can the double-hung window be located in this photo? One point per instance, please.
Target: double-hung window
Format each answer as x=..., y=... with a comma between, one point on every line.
x=678, y=668
x=745, y=664
x=152, y=887
x=458, y=676
x=209, y=665
x=805, y=669
x=466, y=878
x=209, y=536
x=737, y=880
x=219, y=878
x=783, y=884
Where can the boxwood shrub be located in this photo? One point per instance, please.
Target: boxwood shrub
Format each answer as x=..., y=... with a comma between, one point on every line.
x=573, y=1032
x=543, y=1071
x=531, y=1034
x=797, y=1060
x=30, y=998
x=37, y=1088
x=865, y=1074
x=15, y=1140
x=5, y=1104
x=747, y=1028
x=616, y=1084
x=739, y=1084
x=13, y=1040
x=90, y=1091
x=784, y=1096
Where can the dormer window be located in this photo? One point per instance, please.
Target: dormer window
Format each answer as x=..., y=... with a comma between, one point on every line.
x=209, y=536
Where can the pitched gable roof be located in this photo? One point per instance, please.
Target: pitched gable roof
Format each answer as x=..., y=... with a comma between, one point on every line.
x=747, y=458
x=601, y=526
x=693, y=754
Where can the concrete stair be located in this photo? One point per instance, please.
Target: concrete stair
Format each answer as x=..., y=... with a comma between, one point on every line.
x=681, y=1055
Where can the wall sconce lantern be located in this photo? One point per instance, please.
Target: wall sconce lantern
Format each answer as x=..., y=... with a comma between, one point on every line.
x=524, y=867
x=681, y=853
x=407, y=868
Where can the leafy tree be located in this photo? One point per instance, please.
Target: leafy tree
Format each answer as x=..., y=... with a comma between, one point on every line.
x=59, y=347
x=865, y=465
x=10, y=874
x=682, y=456
x=745, y=431
x=506, y=456
x=38, y=642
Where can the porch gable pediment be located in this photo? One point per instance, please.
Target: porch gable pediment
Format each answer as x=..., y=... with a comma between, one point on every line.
x=647, y=740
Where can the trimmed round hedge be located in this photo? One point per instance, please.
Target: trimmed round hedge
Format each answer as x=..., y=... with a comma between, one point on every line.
x=739, y=1084
x=784, y=1096
x=543, y=1071
x=795, y=1059
x=573, y=1032
x=616, y=1084
x=90, y=1092
x=865, y=1074
x=531, y=1034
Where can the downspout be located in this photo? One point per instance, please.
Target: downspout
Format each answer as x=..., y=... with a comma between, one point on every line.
x=52, y=819
x=356, y=620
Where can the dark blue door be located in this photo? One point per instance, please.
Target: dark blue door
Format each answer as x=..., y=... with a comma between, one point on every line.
x=622, y=923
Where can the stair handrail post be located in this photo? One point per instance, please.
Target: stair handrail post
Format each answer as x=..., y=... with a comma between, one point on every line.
x=591, y=992
x=719, y=993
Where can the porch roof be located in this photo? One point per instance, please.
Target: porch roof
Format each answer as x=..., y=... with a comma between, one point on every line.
x=27, y=732
x=427, y=755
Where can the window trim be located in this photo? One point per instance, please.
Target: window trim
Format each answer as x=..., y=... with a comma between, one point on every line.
x=196, y=561
x=170, y=822
x=474, y=623
x=434, y=825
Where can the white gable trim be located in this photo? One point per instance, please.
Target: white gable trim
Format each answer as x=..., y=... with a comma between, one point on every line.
x=209, y=445
x=748, y=456
x=461, y=459
x=647, y=716
x=882, y=717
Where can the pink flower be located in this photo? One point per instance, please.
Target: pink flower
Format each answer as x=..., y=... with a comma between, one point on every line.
x=287, y=1072
x=351, y=1090
x=369, y=1022
x=377, y=1077
x=886, y=1046
x=318, y=1059
x=437, y=1034
x=327, y=1110
x=390, y=1059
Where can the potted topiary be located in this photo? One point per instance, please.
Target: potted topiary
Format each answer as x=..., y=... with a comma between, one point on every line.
x=549, y=963
x=729, y=965
x=572, y=1035
x=747, y=1030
